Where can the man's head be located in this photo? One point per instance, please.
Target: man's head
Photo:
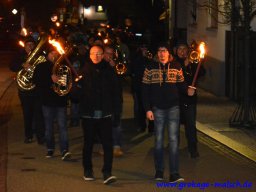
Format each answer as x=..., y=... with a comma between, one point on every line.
x=29, y=44
x=96, y=54
x=53, y=55
x=182, y=50
x=163, y=53
x=109, y=54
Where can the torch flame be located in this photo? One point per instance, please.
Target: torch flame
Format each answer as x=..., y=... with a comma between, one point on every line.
x=57, y=45
x=21, y=43
x=202, y=49
x=106, y=41
x=57, y=24
x=24, y=32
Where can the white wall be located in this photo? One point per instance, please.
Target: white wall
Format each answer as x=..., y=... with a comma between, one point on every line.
x=253, y=24
x=214, y=37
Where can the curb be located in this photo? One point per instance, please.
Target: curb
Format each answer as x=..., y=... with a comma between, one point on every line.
x=236, y=146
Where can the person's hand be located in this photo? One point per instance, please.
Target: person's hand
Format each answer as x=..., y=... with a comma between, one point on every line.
x=150, y=115
x=191, y=90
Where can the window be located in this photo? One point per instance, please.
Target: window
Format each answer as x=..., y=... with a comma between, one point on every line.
x=213, y=14
x=193, y=12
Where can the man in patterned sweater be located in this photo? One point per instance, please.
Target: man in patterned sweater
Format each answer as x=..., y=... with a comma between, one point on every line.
x=162, y=82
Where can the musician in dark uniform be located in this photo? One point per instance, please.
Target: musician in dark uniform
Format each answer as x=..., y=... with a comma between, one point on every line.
x=188, y=103
x=30, y=102
x=54, y=105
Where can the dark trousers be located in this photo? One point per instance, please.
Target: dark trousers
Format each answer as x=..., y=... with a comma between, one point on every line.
x=188, y=116
x=33, y=116
x=103, y=129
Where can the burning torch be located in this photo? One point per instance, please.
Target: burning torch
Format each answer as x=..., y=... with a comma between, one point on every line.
x=63, y=54
x=201, y=56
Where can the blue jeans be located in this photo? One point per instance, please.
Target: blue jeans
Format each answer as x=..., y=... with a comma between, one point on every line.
x=169, y=118
x=60, y=113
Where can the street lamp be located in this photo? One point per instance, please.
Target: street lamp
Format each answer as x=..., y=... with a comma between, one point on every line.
x=14, y=11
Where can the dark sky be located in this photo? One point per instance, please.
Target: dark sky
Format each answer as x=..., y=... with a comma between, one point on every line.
x=38, y=11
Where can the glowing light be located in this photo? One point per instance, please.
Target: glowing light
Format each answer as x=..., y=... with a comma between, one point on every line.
x=21, y=43
x=24, y=32
x=56, y=44
x=57, y=24
x=14, y=11
x=87, y=11
x=105, y=41
x=99, y=8
x=202, y=49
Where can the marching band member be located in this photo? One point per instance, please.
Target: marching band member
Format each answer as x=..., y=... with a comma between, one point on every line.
x=31, y=105
x=54, y=106
x=188, y=103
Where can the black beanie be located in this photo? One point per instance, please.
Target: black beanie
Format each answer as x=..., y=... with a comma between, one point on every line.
x=180, y=43
x=165, y=45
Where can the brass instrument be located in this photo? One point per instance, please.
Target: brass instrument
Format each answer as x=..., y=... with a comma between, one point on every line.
x=194, y=54
x=120, y=68
x=121, y=64
x=24, y=76
x=149, y=55
x=64, y=72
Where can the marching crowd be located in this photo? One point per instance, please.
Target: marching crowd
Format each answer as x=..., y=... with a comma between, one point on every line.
x=161, y=89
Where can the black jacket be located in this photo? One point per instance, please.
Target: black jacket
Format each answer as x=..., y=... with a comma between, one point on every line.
x=189, y=72
x=99, y=90
x=44, y=83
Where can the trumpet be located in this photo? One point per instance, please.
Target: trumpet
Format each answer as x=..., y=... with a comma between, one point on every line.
x=194, y=56
x=120, y=68
x=121, y=63
x=196, y=52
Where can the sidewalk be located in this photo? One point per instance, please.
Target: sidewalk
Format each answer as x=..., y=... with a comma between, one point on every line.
x=213, y=114
x=6, y=76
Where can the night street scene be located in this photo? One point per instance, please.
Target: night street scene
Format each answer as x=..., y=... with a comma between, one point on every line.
x=127, y=95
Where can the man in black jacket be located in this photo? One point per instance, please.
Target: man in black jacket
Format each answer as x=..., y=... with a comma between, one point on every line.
x=54, y=105
x=98, y=103
x=188, y=103
x=30, y=102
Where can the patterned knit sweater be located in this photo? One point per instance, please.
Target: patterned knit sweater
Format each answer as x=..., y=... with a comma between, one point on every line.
x=161, y=85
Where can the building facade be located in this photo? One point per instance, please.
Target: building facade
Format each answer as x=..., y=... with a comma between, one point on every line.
x=203, y=23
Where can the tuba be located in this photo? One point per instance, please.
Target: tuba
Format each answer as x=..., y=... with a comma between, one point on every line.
x=24, y=76
x=64, y=72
